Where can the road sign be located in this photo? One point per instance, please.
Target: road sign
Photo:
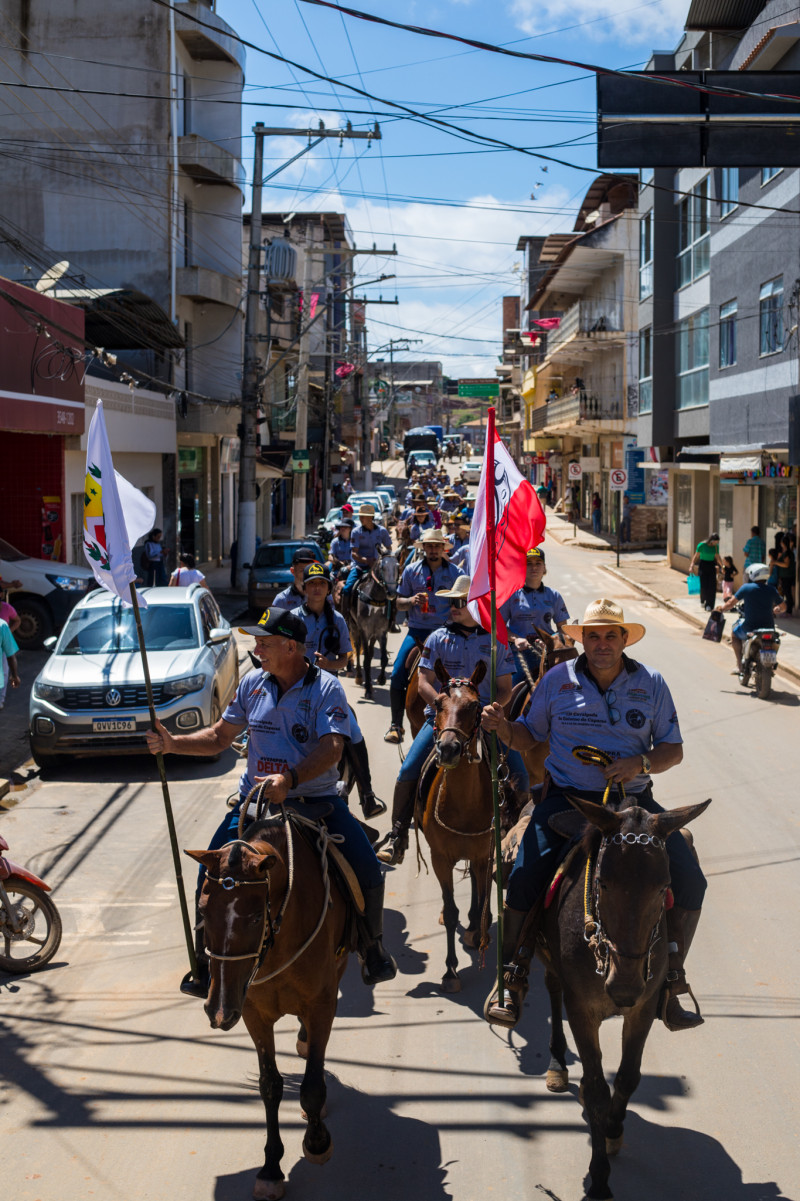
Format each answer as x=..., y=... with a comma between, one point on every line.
x=300, y=460
x=574, y=471
x=527, y=460
x=618, y=479
x=478, y=387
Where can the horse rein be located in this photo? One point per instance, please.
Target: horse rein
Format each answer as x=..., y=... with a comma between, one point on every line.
x=464, y=740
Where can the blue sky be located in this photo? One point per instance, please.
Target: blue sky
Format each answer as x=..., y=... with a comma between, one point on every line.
x=454, y=210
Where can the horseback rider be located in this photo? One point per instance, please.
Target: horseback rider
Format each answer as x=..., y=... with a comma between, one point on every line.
x=327, y=646
x=423, y=520
x=459, y=541
x=294, y=595
x=623, y=708
x=417, y=594
x=367, y=542
x=341, y=552
x=532, y=607
x=298, y=720
x=460, y=645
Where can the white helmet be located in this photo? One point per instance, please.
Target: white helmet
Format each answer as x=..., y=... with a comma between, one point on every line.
x=757, y=573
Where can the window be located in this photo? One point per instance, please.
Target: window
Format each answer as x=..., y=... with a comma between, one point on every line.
x=729, y=190
x=646, y=370
x=768, y=173
x=727, y=333
x=645, y=176
x=693, y=234
x=692, y=366
x=682, y=483
x=646, y=256
x=770, y=316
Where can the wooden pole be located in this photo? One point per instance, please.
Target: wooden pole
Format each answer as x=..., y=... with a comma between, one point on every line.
x=173, y=838
x=498, y=851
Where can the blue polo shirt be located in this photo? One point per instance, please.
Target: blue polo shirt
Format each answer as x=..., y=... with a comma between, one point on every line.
x=284, y=729
x=368, y=542
x=568, y=710
x=417, y=527
x=290, y=598
x=418, y=577
x=530, y=608
x=460, y=558
x=759, y=600
x=341, y=549
x=460, y=651
x=319, y=632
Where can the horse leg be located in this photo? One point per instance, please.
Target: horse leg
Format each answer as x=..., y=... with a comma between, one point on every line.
x=355, y=638
x=635, y=1030
x=301, y=1046
x=269, y=1184
x=384, y=661
x=557, y=1074
x=472, y=934
x=596, y=1097
x=317, y=1142
x=369, y=643
x=444, y=874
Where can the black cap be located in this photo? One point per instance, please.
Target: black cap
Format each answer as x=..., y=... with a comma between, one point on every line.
x=303, y=554
x=278, y=621
x=315, y=571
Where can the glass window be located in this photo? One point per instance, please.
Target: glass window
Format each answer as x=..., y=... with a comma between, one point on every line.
x=729, y=190
x=692, y=364
x=693, y=234
x=727, y=333
x=770, y=316
x=113, y=630
x=683, y=513
x=778, y=509
x=768, y=173
x=646, y=370
x=646, y=256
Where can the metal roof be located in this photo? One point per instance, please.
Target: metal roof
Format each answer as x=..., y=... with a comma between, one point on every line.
x=721, y=15
x=122, y=318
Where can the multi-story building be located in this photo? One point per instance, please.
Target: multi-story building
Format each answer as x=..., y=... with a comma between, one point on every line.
x=124, y=159
x=719, y=283
x=415, y=389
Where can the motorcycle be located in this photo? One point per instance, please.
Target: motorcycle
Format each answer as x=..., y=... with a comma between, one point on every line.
x=760, y=658
x=30, y=924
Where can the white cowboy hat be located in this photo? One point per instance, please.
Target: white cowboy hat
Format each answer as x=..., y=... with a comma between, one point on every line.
x=435, y=537
x=459, y=591
x=605, y=613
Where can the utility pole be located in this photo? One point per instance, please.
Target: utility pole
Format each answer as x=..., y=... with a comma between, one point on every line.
x=299, y=479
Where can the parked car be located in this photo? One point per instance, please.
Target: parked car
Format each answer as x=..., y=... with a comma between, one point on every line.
x=48, y=593
x=357, y=499
x=471, y=471
x=387, y=498
x=420, y=458
x=90, y=696
x=270, y=571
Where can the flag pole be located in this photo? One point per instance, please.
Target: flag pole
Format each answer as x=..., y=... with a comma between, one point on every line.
x=490, y=539
x=173, y=837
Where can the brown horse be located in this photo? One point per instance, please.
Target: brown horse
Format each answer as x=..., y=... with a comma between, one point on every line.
x=604, y=947
x=276, y=949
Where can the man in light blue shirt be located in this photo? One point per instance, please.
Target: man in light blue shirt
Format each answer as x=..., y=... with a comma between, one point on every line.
x=532, y=608
x=368, y=542
x=341, y=551
x=294, y=595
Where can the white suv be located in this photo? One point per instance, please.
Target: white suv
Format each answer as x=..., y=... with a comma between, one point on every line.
x=49, y=592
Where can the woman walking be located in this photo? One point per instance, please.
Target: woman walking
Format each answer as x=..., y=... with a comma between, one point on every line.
x=707, y=559
x=597, y=512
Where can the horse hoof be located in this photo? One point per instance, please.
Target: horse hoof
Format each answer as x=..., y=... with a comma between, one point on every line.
x=581, y=1097
x=614, y=1145
x=268, y=1190
x=451, y=984
x=557, y=1080
x=323, y=1113
x=302, y=1049
x=471, y=939
x=322, y=1158
x=441, y=919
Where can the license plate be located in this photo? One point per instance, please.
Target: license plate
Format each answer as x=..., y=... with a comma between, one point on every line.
x=768, y=658
x=116, y=725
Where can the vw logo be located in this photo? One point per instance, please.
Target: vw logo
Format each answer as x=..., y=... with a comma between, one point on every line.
x=113, y=697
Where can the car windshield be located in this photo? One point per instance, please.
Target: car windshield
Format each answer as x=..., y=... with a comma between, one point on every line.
x=10, y=553
x=97, y=631
x=333, y=515
x=279, y=555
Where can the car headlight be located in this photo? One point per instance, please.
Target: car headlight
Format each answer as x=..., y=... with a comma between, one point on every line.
x=184, y=685
x=262, y=584
x=69, y=583
x=47, y=692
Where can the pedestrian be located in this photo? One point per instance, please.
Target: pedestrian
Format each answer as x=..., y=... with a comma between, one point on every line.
x=729, y=574
x=347, y=486
x=8, y=662
x=542, y=493
x=10, y=615
x=186, y=573
x=786, y=572
x=774, y=556
x=597, y=512
x=155, y=574
x=707, y=559
x=627, y=510
x=755, y=548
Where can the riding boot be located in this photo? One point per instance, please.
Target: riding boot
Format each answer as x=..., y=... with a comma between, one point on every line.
x=405, y=793
x=681, y=926
x=397, y=705
x=377, y=965
x=516, y=960
x=197, y=986
x=371, y=805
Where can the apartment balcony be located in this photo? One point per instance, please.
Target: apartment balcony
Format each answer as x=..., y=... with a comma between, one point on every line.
x=210, y=42
x=209, y=163
x=209, y=287
x=586, y=328
x=583, y=413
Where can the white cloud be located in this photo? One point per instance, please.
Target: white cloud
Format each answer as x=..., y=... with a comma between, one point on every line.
x=647, y=23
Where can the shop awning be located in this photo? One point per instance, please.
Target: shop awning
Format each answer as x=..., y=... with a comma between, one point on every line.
x=739, y=464
x=25, y=413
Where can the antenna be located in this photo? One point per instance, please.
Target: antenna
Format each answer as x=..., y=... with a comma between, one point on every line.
x=52, y=276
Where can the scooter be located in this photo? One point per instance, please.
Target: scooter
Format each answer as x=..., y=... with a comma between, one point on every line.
x=760, y=657
x=30, y=924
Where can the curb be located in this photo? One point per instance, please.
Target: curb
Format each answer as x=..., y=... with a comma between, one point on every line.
x=791, y=673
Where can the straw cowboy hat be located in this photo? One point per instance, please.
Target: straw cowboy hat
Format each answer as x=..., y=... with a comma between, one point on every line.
x=459, y=591
x=432, y=537
x=605, y=613
x=366, y=510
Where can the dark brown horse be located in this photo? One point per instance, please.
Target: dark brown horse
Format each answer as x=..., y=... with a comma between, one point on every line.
x=369, y=620
x=604, y=947
x=277, y=939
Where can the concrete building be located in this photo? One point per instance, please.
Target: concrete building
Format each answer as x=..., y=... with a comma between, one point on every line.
x=127, y=165
x=719, y=284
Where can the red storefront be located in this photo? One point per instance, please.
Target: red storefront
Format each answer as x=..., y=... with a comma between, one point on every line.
x=41, y=404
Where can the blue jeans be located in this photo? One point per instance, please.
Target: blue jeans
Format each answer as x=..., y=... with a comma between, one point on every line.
x=542, y=849
x=422, y=746
x=399, y=671
x=356, y=847
x=596, y=520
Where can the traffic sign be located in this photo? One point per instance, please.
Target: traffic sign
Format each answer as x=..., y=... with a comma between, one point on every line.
x=574, y=471
x=527, y=460
x=478, y=387
x=300, y=461
x=618, y=480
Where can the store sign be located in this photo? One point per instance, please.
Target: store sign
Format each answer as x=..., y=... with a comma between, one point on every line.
x=190, y=459
x=300, y=461
x=590, y=463
x=634, y=458
x=753, y=467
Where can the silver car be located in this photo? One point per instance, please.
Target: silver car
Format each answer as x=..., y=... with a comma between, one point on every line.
x=90, y=696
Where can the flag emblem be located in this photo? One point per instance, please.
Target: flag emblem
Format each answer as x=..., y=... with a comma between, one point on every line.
x=94, y=529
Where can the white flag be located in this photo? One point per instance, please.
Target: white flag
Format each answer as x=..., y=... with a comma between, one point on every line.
x=115, y=514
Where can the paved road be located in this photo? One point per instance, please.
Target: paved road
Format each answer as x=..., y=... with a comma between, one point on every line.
x=117, y=1088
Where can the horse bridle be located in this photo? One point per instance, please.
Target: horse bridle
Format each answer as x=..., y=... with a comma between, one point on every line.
x=368, y=600
x=464, y=740
x=601, y=946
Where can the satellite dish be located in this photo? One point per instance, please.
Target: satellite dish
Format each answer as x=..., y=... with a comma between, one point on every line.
x=592, y=217
x=52, y=276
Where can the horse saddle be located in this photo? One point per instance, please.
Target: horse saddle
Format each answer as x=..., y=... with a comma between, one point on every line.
x=412, y=659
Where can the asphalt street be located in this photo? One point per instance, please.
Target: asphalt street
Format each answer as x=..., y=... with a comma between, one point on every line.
x=115, y=1087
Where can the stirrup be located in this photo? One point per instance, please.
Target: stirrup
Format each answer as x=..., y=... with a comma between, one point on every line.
x=196, y=986
x=515, y=988
x=372, y=806
x=676, y=986
x=395, y=850
x=395, y=734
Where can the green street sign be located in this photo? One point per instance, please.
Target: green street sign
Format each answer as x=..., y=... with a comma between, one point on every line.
x=476, y=390
x=300, y=460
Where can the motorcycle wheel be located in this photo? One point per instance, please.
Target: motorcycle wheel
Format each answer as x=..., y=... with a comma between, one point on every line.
x=763, y=682
x=40, y=936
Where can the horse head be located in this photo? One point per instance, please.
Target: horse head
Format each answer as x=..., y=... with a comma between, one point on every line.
x=235, y=912
x=387, y=572
x=624, y=913
x=457, y=716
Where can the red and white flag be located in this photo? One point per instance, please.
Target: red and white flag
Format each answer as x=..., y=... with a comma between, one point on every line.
x=508, y=521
